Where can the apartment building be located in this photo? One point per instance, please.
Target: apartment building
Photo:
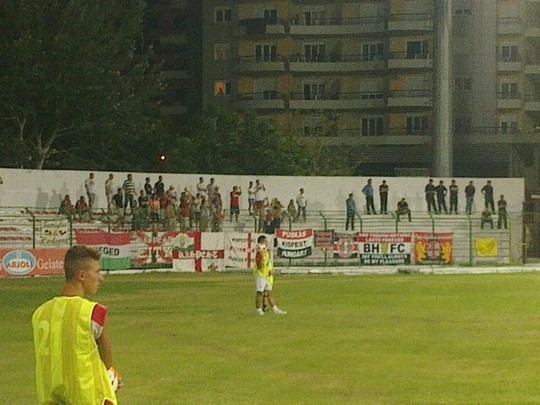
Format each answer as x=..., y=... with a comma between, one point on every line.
x=362, y=74
x=174, y=30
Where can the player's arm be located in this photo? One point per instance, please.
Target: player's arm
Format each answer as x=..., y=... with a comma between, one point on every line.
x=104, y=347
x=259, y=259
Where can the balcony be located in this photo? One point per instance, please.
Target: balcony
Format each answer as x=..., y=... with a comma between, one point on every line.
x=532, y=103
x=509, y=63
x=509, y=26
x=264, y=100
x=498, y=135
x=334, y=63
x=532, y=66
x=509, y=101
x=337, y=26
x=408, y=60
x=337, y=101
x=533, y=28
x=410, y=98
x=385, y=137
x=260, y=26
x=410, y=22
x=273, y=63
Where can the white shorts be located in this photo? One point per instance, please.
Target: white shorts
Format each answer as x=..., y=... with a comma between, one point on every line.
x=262, y=284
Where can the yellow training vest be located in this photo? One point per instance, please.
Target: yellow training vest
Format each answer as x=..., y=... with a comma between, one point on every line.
x=266, y=267
x=69, y=369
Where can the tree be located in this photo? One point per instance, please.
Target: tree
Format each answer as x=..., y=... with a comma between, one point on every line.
x=76, y=87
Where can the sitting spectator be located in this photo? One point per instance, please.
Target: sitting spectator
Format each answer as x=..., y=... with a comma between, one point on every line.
x=81, y=207
x=66, y=206
x=403, y=209
x=486, y=218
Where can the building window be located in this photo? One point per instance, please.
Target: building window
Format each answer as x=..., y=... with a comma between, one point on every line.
x=509, y=125
x=509, y=90
x=417, y=125
x=314, y=17
x=509, y=53
x=222, y=14
x=462, y=7
x=372, y=126
x=221, y=51
x=372, y=52
x=315, y=52
x=417, y=49
x=270, y=16
x=265, y=53
x=222, y=88
x=314, y=91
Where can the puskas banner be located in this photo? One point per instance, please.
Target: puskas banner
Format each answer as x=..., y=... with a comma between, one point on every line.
x=433, y=247
x=294, y=244
x=345, y=245
x=384, y=248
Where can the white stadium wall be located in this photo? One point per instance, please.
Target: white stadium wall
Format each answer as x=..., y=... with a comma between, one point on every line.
x=46, y=188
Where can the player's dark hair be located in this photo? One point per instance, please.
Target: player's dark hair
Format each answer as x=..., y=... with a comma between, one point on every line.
x=261, y=238
x=75, y=256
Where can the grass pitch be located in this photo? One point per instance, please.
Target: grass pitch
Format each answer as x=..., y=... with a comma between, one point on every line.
x=194, y=339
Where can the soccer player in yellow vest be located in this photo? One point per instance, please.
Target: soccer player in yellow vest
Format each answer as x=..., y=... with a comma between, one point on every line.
x=264, y=277
x=72, y=348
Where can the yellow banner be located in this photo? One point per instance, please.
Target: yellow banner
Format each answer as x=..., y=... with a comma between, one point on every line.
x=486, y=247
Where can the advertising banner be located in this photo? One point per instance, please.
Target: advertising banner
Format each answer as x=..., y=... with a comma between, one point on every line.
x=114, y=247
x=55, y=232
x=433, y=248
x=32, y=262
x=345, y=245
x=384, y=248
x=486, y=247
x=294, y=244
x=200, y=252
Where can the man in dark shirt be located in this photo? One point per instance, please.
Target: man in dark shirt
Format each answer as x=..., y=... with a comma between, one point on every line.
x=487, y=190
x=441, y=197
x=503, y=214
x=430, y=196
x=453, y=196
x=159, y=187
x=469, y=196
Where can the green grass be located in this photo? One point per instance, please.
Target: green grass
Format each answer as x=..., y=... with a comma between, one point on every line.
x=400, y=339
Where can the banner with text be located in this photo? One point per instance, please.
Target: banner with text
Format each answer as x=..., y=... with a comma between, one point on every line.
x=55, y=232
x=114, y=247
x=156, y=248
x=32, y=262
x=384, y=248
x=200, y=252
x=294, y=244
x=433, y=247
x=240, y=249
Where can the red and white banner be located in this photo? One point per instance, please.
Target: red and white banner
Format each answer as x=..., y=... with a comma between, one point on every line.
x=202, y=252
x=158, y=247
x=32, y=262
x=114, y=247
x=433, y=247
x=294, y=244
x=345, y=245
x=385, y=248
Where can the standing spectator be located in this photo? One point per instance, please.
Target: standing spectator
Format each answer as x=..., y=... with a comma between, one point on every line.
x=109, y=192
x=148, y=189
x=205, y=213
x=144, y=200
x=159, y=187
x=186, y=199
x=368, y=192
x=403, y=209
x=196, y=212
x=235, y=203
x=129, y=193
x=453, y=196
x=469, y=197
x=210, y=189
x=383, y=194
x=259, y=195
x=251, y=197
x=118, y=200
x=430, y=196
x=441, y=191
x=350, y=204
x=486, y=218
x=90, y=186
x=291, y=210
x=72, y=349
x=81, y=207
x=66, y=206
x=217, y=209
x=155, y=208
x=201, y=187
x=301, y=202
x=503, y=214
x=487, y=190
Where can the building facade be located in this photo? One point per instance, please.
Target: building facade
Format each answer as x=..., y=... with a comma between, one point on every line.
x=366, y=75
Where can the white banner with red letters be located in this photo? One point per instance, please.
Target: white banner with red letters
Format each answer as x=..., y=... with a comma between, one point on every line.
x=201, y=252
x=294, y=244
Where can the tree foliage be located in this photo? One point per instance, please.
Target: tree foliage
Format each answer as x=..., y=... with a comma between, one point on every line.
x=75, y=86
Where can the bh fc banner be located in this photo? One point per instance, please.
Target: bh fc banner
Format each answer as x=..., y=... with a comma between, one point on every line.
x=294, y=244
x=114, y=247
x=384, y=248
x=433, y=247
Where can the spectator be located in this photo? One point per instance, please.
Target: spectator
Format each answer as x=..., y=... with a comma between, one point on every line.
x=210, y=189
x=503, y=214
x=201, y=187
x=66, y=206
x=486, y=218
x=368, y=192
x=129, y=193
x=109, y=192
x=441, y=191
x=383, y=194
x=148, y=189
x=251, y=197
x=453, y=196
x=277, y=213
x=205, y=214
x=469, y=197
x=235, y=202
x=291, y=210
x=487, y=190
x=301, y=202
x=259, y=195
x=118, y=200
x=430, y=196
x=90, y=186
x=155, y=208
x=81, y=207
x=159, y=187
x=186, y=200
x=403, y=209
x=217, y=209
x=350, y=204
x=195, y=210
x=144, y=200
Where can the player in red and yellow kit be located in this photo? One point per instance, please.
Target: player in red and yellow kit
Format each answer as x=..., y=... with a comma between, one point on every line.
x=72, y=348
